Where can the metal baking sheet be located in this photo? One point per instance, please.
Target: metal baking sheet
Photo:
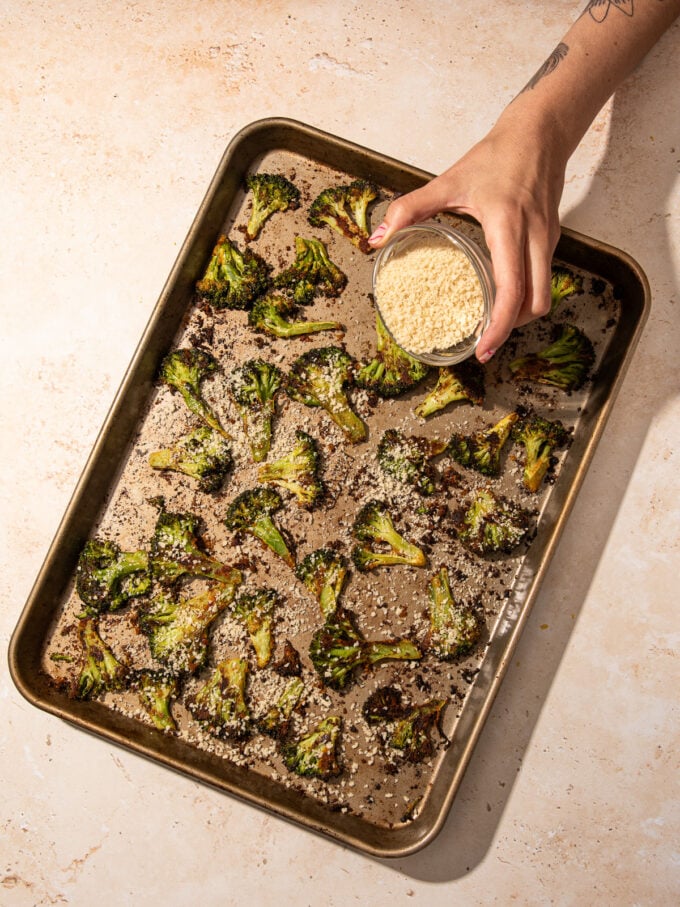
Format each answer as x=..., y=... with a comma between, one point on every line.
x=378, y=805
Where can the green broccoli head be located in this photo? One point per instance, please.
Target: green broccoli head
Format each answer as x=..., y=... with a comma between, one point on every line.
x=540, y=438
x=251, y=512
x=319, y=378
x=107, y=578
x=311, y=274
x=233, y=279
x=324, y=571
x=100, y=670
x=373, y=526
x=254, y=386
x=256, y=611
x=453, y=628
x=408, y=459
x=276, y=721
x=273, y=315
x=178, y=628
x=482, y=450
x=338, y=650
x=565, y=363
x=461, y=383
x=184, y=371
x=202, y=454
x=392, y=371
x=156, y=691
x=413, y=732
x=220, y=705
x=297, y=471
x=270, y=192
x=345, y=210
x=491, y=524
x=563, y=283
x=315, y=754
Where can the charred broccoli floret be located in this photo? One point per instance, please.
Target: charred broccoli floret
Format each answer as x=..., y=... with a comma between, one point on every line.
x=454, y=628
x=177, y=551
x=383, y=704
x=319, y=378
x=408, y=459
x=564, y=363
x=251, y=511
x=270, y=192
x=273, y=315
x=233, y=279
x=461, y=383
x=413, y=733
x=338, y=650
x=311, y=274
x=177, y=629
x=277, y=720
x=202, y=454
x=156, y=690
x=374, y=525
x=255, y=610
x=491, y=524
x=297, y=471
x=101, y=671
x=220, y=705
x=540, y=438
x=482, y=449
x=107, y=578
x=392, y=371
x=183, y=371
x=345, y=210
x=254, y=386
x=323, y=572
x=315, y=754
x=563, y=283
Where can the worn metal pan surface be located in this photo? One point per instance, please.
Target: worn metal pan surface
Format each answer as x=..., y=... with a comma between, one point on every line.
x=381, y=803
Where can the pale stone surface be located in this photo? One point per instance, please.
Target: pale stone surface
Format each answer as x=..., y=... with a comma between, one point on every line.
x=114, y=117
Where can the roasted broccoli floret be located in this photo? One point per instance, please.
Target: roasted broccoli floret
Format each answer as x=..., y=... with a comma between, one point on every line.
x=156, y=690
x=177, y=629
x=274, y=315
x=392, y=371
x=311, y=274
x=101, y=671
x=202, y=454
x=289, y=664
x=251, y=511
x=564, y=363
x=254, y=386
x=220, y=705
x=256, y=611
x=323, y=572
x=297, y=471
x=563, y=283
x=177, y=551
x=540, y=438
x=461, y=383
x=183, y=371
x=233, y=279
x=490, y=524
x=482, y=449
x=319, y=378
x=277, y=720
x=107, y=578
x=413, y=733
x=408, y=459
x=345, y=210
x=270, y=192
x=383, y=704
x=374, y=525
x=338, y=650
x=453, y=628
x=315, y=754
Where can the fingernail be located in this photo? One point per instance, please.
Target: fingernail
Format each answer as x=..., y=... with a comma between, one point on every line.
x=378, y=233
x=486, y=356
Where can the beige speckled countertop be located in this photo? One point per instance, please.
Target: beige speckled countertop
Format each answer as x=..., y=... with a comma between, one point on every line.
x=114, y=117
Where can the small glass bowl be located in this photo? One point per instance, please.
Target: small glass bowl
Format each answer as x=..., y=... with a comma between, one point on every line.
x=481, y=264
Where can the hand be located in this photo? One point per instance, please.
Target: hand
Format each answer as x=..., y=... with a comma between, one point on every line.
x=511, y=183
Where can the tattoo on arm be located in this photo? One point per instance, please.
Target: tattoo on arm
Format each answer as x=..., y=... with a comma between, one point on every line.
x=549, y=66
x=598, y=9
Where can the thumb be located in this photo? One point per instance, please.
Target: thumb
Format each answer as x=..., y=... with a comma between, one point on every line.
x=409, y=209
